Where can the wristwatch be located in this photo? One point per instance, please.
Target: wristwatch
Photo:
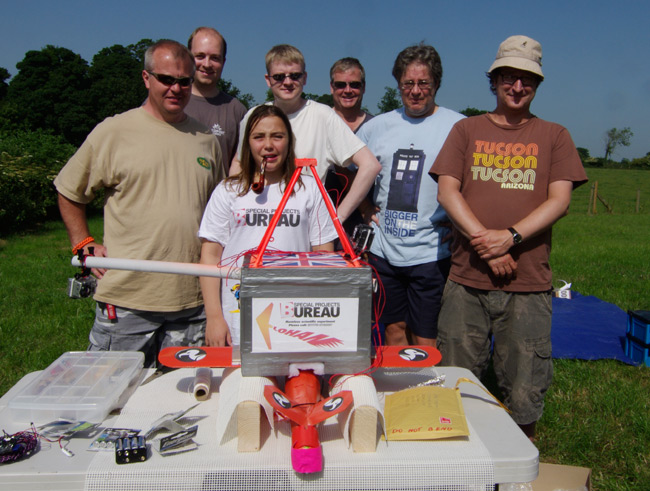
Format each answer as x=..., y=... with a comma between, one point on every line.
x=516, y=236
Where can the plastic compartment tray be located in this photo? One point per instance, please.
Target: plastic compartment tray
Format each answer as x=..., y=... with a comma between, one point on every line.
x=79, y=385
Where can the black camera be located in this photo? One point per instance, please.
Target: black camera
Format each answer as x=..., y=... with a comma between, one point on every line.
x=81, y=286
x=362, y=238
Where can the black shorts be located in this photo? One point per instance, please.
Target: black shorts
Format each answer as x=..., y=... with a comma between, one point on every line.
x=412, y=293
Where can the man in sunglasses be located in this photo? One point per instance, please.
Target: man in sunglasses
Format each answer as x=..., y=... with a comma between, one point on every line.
x=319, y=132
x=348, y=84
x=409, y=251
x=158, y=168
x=208, y=104
x=505, y=178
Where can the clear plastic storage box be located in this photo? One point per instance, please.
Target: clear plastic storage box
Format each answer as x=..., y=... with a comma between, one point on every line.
x=79, y=385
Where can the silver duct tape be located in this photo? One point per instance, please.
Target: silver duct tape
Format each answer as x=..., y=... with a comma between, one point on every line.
x=311, y=284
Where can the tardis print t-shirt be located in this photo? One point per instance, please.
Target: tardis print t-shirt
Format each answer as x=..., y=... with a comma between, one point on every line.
x=411, y=222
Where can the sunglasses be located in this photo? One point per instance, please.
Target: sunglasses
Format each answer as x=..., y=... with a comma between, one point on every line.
x=343, y=85
x=168, y=80
x=295, y=76
x=511, y=79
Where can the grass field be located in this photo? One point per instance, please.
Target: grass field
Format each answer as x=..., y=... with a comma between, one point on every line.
x=597, y=412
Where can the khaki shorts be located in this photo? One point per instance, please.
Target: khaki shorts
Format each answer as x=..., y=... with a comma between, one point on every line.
x=149, y=332
x=518, y=325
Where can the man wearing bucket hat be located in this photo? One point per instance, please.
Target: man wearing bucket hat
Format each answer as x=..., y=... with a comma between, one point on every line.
x=505, y=178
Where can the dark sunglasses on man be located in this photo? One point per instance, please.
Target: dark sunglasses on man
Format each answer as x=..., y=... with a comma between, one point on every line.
x=168, y=80
x=295, y=76
x=342, y=85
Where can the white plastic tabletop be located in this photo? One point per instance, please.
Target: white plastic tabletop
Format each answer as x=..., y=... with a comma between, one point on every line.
x=514, y=457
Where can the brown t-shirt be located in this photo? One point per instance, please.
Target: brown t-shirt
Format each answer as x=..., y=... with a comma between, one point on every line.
x=505, y=174
x=221, y=114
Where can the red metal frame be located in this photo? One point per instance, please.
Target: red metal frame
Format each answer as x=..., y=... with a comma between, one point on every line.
x=343, y=237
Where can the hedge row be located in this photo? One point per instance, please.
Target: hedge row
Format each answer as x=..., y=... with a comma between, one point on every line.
x=29, y=162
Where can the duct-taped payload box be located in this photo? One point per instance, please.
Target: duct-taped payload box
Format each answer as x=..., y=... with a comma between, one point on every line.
x=309, y=307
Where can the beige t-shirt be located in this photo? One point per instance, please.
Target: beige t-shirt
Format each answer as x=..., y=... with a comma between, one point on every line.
x=158, y=179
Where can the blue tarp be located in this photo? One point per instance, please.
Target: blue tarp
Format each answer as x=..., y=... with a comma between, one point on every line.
x=588, y=328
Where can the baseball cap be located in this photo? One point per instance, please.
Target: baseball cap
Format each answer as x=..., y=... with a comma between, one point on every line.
x=519, y=52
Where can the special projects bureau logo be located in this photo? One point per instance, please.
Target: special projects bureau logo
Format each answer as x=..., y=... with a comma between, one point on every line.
x=318, y=339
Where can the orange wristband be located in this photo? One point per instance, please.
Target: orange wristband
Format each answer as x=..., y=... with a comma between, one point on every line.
x=82, y=244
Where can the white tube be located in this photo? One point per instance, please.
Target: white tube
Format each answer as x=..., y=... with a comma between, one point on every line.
x=148, y=266
x=202, y=381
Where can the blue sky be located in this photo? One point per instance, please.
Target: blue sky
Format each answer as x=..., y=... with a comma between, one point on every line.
x=596, y=54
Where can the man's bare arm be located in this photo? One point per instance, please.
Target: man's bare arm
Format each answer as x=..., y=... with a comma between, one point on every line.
x=326, y=247
x=235, y=166
x=74, y=218
x=493, y=243
x=368, y=168
x=451, y=199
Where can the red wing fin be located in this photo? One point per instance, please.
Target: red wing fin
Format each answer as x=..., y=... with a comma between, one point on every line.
x=282, y=404
x=329, y=407
x=196, y=356
x=407, y=356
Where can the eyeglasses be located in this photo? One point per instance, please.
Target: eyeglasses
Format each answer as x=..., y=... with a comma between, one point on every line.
x=423, y=85
x=342, y=85
x=295, y=76
x=168, y=80
x=511, y=79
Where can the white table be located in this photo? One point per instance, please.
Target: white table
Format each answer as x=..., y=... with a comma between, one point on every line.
x=514, y=457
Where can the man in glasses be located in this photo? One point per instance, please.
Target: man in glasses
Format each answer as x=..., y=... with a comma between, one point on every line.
x=208, y=104
x=505, y=178
x=348, y=84
x=319, y=132
x=410, y=252
x=157, y=167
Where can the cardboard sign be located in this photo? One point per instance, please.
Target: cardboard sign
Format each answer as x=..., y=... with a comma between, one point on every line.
x=304, y=324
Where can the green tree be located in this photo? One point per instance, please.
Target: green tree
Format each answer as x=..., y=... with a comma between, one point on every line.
x=641, y=162
x=389, y=101
x=584, y=153
x=614, y=138
x=4, y=75
x=50, y=92
x=116, y=81
x=229, y=88
x=29, y=161
x=137, y=50
x=472, y=111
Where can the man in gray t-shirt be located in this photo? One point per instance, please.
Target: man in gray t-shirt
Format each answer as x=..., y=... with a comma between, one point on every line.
x=214, y=108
